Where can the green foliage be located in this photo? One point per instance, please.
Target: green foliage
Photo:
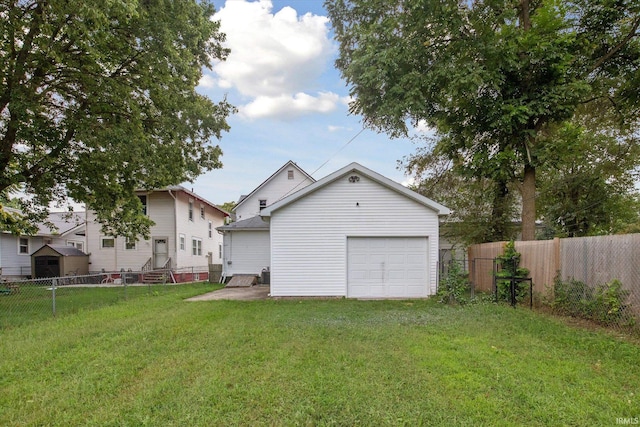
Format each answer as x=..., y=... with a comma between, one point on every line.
x=605, y=304
x=98, y=100
x=482, y=209
x=489, y=77
x=454, y=286
x=587, y=184
x=509, y=267
x=228, y=206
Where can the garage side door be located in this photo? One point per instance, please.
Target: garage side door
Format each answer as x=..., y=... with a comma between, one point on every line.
x=387, y=267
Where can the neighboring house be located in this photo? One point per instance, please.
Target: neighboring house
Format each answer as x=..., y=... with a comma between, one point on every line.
x=356, y=234
x=15, y=251
x=184, y=235
x=246, y=241
x=286, y=180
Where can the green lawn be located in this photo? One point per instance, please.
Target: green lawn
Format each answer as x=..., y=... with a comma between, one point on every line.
x=157, y=360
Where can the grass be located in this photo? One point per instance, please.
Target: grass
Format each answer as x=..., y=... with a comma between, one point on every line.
x=157, y=360
x=34, y=301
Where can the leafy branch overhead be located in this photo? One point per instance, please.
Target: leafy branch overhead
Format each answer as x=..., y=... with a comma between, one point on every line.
x=493, y=79
x=98, y=99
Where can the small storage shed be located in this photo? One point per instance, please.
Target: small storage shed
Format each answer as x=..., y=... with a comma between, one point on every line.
x=56, y=261
x=354, y=233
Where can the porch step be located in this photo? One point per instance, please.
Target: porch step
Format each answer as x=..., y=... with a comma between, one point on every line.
x=155, y=277
x=242, y=281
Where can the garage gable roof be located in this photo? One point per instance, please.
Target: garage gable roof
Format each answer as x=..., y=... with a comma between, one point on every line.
x=356, y=168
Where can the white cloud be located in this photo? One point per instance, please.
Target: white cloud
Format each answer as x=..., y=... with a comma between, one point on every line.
x=289, y=106
x=206, y=81
x=422, y=127
x=275, y=57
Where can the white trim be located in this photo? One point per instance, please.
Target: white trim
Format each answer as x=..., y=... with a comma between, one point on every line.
x=196, y=246
x=290, y=163
x=355, y=168
x=127, y=241
x=103, y=238
x=20, y=245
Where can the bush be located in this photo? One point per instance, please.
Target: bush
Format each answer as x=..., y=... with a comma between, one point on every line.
x=509, y=263
x=454, y=286
x=605, y=304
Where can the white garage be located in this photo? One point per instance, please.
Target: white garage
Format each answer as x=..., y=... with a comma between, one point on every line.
x=387, y=267
x=354, y=234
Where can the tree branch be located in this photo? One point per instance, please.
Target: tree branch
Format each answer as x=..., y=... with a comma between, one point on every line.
x=617, y=47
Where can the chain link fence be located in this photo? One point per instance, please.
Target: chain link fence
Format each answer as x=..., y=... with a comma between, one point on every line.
x=27, y=300
x=599, y=280
x=593, y=278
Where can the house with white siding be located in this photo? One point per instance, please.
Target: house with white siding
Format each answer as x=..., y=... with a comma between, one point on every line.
x=15, y=251
x=246, y=241
x=356, y=234
x=183, y=239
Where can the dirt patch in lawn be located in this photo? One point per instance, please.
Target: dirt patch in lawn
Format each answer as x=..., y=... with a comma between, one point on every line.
x=243, y=294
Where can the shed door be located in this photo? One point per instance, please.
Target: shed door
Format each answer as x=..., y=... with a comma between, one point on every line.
x=387, y=267
x=47, y=266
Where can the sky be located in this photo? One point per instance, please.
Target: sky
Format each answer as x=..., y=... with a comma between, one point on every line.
x=292, y=103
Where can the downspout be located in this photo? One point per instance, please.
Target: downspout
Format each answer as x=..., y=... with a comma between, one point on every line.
x=224, y=253
x=175, y=228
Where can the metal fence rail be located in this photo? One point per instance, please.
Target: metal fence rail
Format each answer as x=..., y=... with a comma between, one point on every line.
x=27, y=300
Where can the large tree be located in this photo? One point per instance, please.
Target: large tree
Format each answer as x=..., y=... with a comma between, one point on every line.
x=490, y=76
x=98, y=99
x=483, y=209
x=587, y=183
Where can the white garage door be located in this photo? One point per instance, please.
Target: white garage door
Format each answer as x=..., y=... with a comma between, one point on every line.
x=387, y=267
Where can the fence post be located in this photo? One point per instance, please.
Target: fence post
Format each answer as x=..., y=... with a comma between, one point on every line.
x=53, y=295
x=123, y=277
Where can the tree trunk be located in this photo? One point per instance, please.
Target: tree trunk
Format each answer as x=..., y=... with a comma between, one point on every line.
x=500, y=219
x=529, y=203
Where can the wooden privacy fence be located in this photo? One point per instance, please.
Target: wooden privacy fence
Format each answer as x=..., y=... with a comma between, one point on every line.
x=593, y=260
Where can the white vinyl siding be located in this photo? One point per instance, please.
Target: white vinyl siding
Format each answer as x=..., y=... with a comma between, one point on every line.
x=170, y=212
x=275, y=189
x=309, y=236
x=246, y=252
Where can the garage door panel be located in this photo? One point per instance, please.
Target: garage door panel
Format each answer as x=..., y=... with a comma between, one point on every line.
x=387, y=267
x=397, y=259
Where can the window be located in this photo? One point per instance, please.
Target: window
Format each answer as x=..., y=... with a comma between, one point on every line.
x=183, y=243
x=190, y=210
x=108, y=242
x=202, y=211
x=196, y=246
x=219, y=251
x=263, y=203
x=210, y=229
x=290, y=174
x=23, y=246
x=76, y=244
x=130, y=244
x=143, y=200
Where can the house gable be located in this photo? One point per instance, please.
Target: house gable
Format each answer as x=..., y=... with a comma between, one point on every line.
x=285, y=181
x=356, y=172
